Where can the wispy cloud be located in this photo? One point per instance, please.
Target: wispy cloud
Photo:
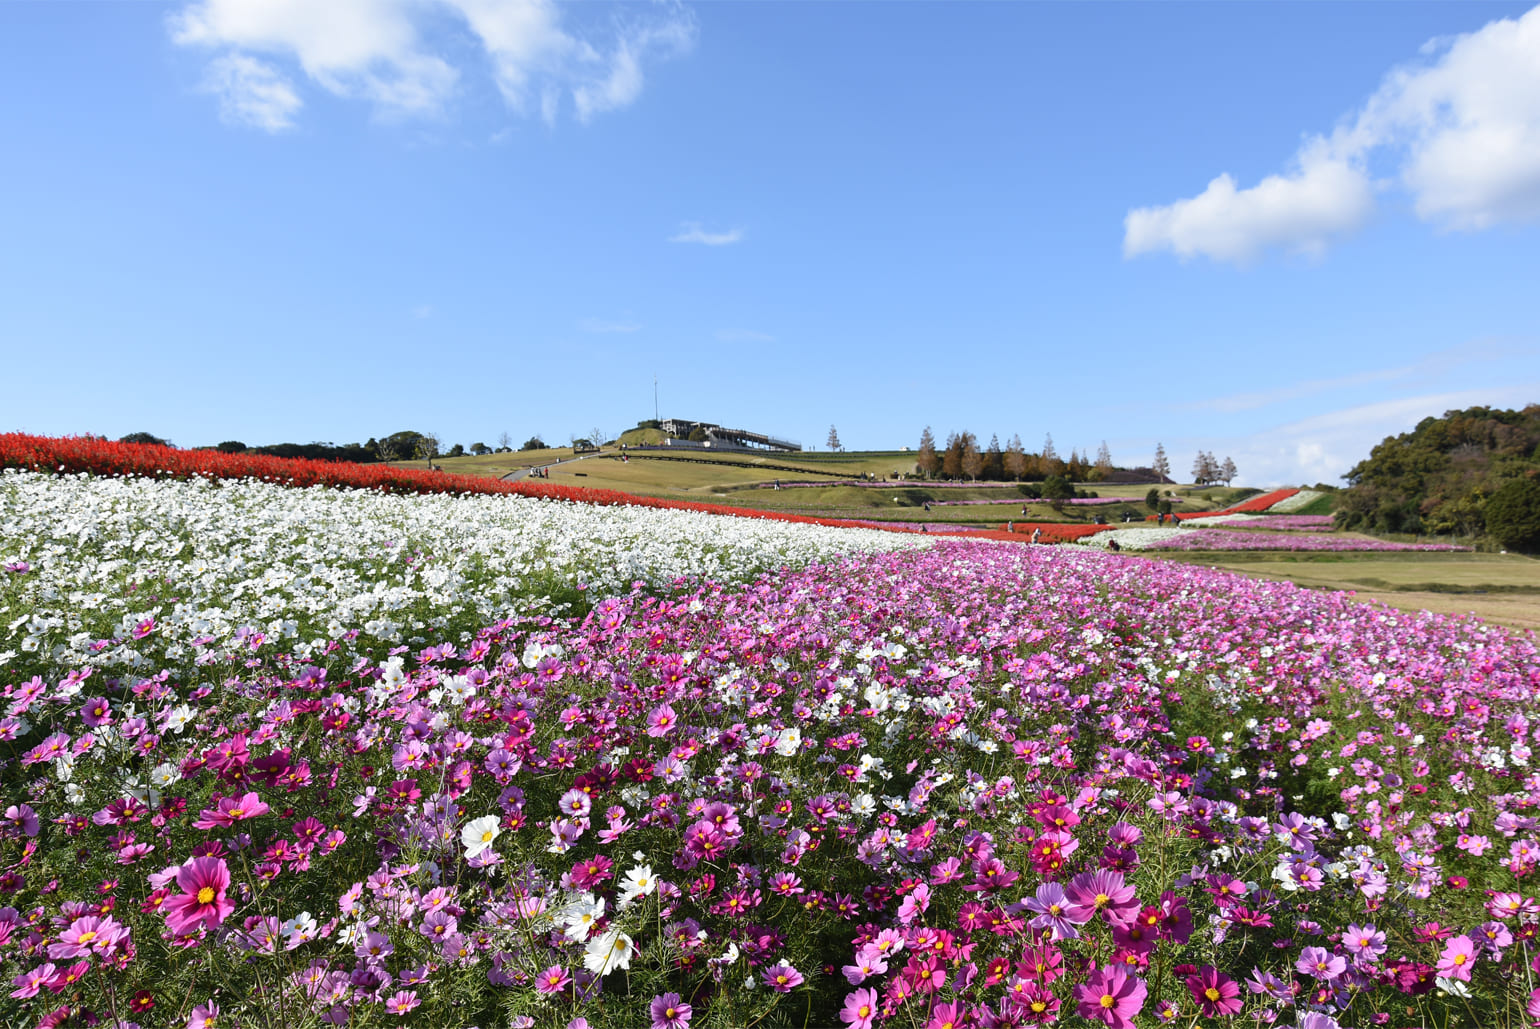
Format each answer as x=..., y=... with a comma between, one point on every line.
x=1463, y=122
x=1439, y=363
x=374, y=50
x=691, y=232
x=744, y=336
x=599, y=325
x=422, y=311
x=1323, y=447
x=251, y=92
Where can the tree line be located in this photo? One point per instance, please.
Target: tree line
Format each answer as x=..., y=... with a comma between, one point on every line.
x=963, y=458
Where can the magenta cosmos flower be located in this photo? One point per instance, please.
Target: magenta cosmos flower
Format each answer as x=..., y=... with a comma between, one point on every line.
x=860, y=1008
x=231, y=810
x=669, y=1012
x=1216, y=993
x=1111, y=996
x=203, y=881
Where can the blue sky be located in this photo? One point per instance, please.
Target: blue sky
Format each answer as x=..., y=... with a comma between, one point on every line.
x=1278, y=232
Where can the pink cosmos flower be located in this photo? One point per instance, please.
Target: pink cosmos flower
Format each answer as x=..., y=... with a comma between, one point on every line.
x=661, y=720
x=782, y=978
x=1216, y=993
x=28, y=983
x=860, y=1008
x=23, y=817
x=553, y=980
x=402, y=1002
x=1458, y=957
x=86, y=936
x=203, y=882
x=204, y=1016
x=231, y=810
x=1111, y=996
x=669, y=1012
x=1320, y=963
x=1104, y=892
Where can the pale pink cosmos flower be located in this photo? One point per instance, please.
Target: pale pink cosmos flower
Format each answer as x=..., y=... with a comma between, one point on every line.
x=1458, y=957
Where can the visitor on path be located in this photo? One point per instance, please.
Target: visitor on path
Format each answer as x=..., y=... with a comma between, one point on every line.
x=1037, y=534
x=1113, y=545
x=1010, y=526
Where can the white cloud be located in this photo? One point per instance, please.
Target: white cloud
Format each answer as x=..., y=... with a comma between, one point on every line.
x=1470, y=124
x=1323, y=197
x=691, y=232
x=422, y=311
x=1464, y=124
x=597, y=325
x=252, y=93
x=374, y=49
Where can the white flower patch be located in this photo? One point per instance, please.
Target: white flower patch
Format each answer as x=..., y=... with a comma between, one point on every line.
x=1294, y=503
x=127, y=571
x=1130, y=539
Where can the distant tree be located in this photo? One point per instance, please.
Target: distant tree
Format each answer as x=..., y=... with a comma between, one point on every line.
x=597, y=436
x=1015, y=461
x=1162, y=465
x=480, y=449
x=972, y=460
x=951, y=460
x=834, y=440
x=534, y=443
x=456, y=451
x=1165, y=507
x=231, y=446
x=427, y=446
x=1152, y=499
x=1077, y=469
x=504, y=441
x=1103, y=461
x=1204, y=469
x=1050, y=454
x=994, y=460
x=145, y=437
x=1227, y=471
x=926, y=459
x=1513, y=515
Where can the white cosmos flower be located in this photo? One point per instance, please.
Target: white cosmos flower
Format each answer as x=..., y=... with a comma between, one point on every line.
x=609, y=952
x=578, y=918
x=638, y=882
x=479, y=833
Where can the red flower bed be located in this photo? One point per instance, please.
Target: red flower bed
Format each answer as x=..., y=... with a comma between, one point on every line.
x=1255, y=504
x=72, y=454
x=1056, y=532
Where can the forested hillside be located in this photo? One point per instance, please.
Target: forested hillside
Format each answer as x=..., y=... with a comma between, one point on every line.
x=1471, y=473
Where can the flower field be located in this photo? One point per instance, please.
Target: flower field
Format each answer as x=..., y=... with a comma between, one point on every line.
x=1277, y=523
x=315, y=757
x=1290, y=539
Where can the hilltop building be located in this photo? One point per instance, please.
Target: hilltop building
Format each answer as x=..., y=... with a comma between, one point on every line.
x=718, y=436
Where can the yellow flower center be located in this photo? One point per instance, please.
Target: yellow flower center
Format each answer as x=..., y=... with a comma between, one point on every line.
x=1459, y=959
x=1211, y=993
x=87, y=936
x=206, y=895
x=1102, y=898
x=1108, y=1000
x=486, y=837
